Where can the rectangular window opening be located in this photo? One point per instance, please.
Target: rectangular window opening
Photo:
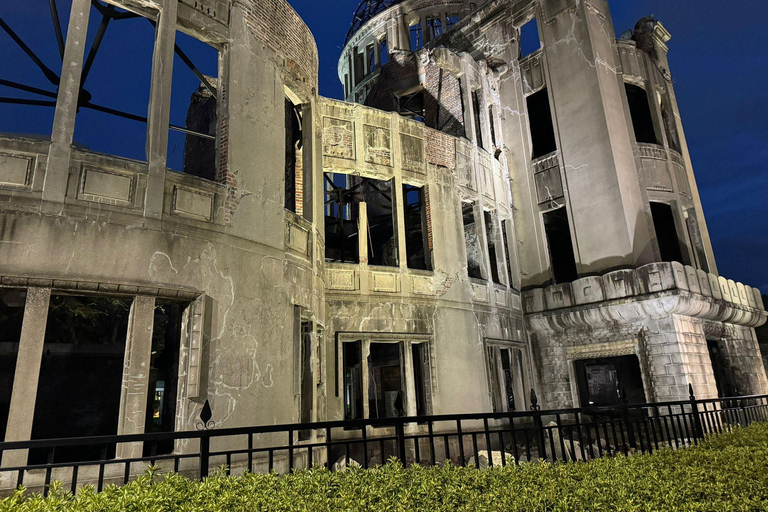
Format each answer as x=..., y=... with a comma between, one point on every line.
x=412, y=106
x=490, y=236
x=435, y=27
x=164, y=373
x=478, y=127
x=386, y=381
x=471, y=241
x=666, y=232
x=530, y=41
x=506, y=378
x=540, y=120
x=194, y=104
x=359, y=66
x=640, y=111
x=353, y=380
x=28, y=91
x=417, y=39
x=81, y=373
x=451, y=20
x=294, y=168
x=416, y=228
x=561, y=255
x=382, y=239
x=12, y=304
x=306, y=398
x=504, y=227
x=341, y=219
x=371, y=54
x=114, y=98
x=491, y=124
x=421, y=379
x=383, y=52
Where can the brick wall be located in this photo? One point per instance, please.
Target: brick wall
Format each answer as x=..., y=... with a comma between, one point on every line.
x=447, y=114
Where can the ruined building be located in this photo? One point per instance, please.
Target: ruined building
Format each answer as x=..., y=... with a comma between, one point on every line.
x=504, y=202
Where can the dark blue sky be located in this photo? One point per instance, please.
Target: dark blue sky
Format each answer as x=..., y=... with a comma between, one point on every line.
x=717, y=55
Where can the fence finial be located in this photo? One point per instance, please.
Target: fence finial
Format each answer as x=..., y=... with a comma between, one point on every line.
x=534, y=401
x=690, y=391
x=205, y=422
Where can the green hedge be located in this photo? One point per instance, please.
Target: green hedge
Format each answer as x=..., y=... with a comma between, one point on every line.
x=729, y=472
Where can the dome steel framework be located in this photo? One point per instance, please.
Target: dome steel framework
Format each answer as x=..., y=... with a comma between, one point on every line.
x=367, y=10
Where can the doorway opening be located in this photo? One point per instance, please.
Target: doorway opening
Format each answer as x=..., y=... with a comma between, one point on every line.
x=602, y=381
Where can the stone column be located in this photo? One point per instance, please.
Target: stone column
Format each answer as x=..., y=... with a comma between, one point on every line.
x=30, y=355
x=133, y=395
x=59, y=153
x=159, y=111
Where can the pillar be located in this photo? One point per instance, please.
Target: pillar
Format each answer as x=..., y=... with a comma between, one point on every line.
x=138, y=354
x=30, y=355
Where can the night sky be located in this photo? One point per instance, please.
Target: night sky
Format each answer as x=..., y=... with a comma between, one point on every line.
x=718, y=58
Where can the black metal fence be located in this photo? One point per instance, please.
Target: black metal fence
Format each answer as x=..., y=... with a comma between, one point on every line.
x=485, y=439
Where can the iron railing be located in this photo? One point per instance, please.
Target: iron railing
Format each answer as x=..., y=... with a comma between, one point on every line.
x=486, y=439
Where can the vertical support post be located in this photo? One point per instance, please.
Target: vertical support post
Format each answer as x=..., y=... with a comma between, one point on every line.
x=538, y=425
x=697, y=427
x=135, y=386
x=62, y=134
x=22, y=408
x=205, y=453
x=400, y=434
x=159, y=109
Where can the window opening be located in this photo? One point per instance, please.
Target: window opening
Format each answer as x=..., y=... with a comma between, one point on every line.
x=81, y=373
x=490, y=236
x=435, y=27
x=602, y=381
x=416, y=228
x=293, y=153
x=382, y=242
x=471, y=241
x=412, y=106
x=491, y=124
x=560, y=245
x=416, y=37
x=359, y=66
x=383, y=52
x=306, y=378
x=386, y=382
x=164, y=373
x=530, y=41
x=505, y=368
x=694, y=233
x=353, y=380
x=719, y=367
x=341, y=215
x=193, y=119
x=371, y=53
x=421, y=380
x=505, y=238
x=540, y=119
x=451, y=20
x=640, y=111
x=666, y=232
x=12, y=304
x=33, y=49
x=478, y=127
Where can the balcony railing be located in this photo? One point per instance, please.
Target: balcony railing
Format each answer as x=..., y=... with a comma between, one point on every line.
x=462, y=439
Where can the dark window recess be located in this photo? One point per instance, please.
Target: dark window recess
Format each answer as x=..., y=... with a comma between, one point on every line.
x=78, y=394
x=603, y=381
x=725, y=387
x=529, y=38
x=471, y=241
x=164, y=373
x=293, y=142
x=359, y=66
x=386, y=381
x=666, y=233
x=113, y=98
x=416, y=228
x=353, y=380
x=505, y=237
x=451, y=20
x=421, y=379
x=193, y=121
x=12, y=303
x=371, y=52
x=509, y=388
x=490, y=236
x=307, y=384
x=383, y=52
x=640, y=110
x=540, y=119
x=341, y=212
x=435, y=27
x=560, y=245
x=491, y=125
x=382, y=242
x=412, y=106
x=478, y=127
x=417, y=38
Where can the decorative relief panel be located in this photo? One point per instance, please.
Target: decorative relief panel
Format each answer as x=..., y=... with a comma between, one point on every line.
x=501, y=298
x=342, y=279
x=192, y=203
x=465, y=171
x=480, y=293
x=413, y=153
x=422, y=285
x=338, y=138
x=385, y=282
x=16, y=170
x=549, y=186
x=106, y=186
x=378, y=145
x=297, y=238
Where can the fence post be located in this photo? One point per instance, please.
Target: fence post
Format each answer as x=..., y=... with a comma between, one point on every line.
x=628, y=420
x=400, y=433
x=205, y=451
x=698, y=430
x=539, y=425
